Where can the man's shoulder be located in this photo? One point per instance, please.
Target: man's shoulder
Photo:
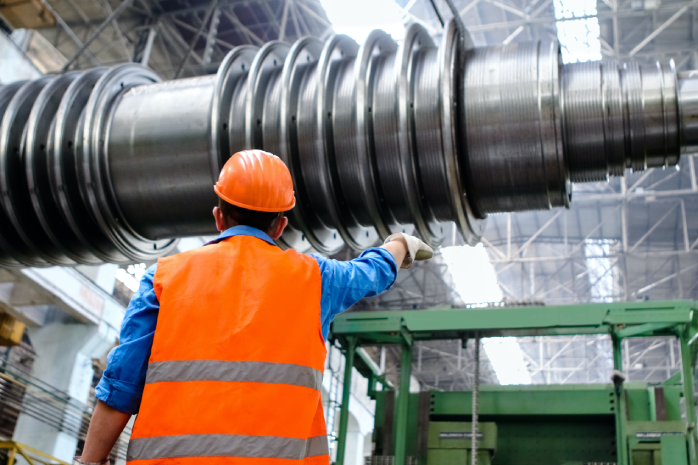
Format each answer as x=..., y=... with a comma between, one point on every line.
x=180, y=259
x=294, y=256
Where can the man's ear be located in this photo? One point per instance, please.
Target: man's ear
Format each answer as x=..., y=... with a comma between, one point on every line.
x=279, y=228
x=220, y=219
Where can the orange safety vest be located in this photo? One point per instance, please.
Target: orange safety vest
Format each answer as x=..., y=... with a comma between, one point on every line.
x=236, y=366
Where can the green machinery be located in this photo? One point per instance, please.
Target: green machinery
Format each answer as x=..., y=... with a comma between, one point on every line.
x=623, y=423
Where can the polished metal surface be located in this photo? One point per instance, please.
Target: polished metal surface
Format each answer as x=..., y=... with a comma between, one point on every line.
x=453, y=138
x=80, y=233
x=688, y=111
x=600, y=100
x=302, y=54
x=515, y=160
x=24, y=240
x=94, y=161
x=159, y=159
x=8, y=235
x=114, y=165
x=593, y=121
x=38, y=188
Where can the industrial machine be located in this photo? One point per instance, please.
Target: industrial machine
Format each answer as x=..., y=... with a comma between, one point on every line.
x=623, y=423
x=112, y=165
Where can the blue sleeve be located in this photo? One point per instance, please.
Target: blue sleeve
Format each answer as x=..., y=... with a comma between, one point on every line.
x=345, y=283
x=121, y=386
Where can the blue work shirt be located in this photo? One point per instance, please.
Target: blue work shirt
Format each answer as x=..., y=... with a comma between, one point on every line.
x=343, y=284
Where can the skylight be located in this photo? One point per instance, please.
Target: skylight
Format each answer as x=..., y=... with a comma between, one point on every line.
x=473, y=275
x=507, y=360
x=359, y=17
x=476, y=283
x=579, y=38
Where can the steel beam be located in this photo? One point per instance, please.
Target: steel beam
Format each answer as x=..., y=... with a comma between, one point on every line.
x=549, y=320
x=659, y=30
x=349, y=354
x=113, y=16
x=70, y=32
x=402, y=403
x=211, y=36
x=542, y=20
x=620, y=409
x=117, y=29
x=152, y=32
x=192, y=44
x=688, y=363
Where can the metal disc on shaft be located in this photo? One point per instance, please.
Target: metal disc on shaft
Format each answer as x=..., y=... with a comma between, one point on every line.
x=8, y=256
x=266, y=68
x=303, y=54
x=335, y=117
x=412, y=181
x=93, y=166
x=24, y=239
x=231, y=73
x=46, y=217
x=320, y=222
x=273, y=139
x=87, y=238
x=363, y=189
x=470, y=226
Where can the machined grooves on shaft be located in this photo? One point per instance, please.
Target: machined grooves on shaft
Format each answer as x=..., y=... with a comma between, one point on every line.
x=114, y=165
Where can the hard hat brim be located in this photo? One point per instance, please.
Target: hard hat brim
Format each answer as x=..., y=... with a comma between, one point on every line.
x=253, y=207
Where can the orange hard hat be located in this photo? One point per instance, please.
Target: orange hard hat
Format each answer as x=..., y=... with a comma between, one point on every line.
x=256, y=180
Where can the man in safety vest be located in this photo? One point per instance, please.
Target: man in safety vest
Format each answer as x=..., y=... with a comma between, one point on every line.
x=222, y=348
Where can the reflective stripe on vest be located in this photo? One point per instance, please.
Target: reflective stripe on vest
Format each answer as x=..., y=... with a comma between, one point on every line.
x=226, y=445
x=217, y=370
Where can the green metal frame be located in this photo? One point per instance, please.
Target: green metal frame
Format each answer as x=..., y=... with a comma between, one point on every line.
x=619, y=320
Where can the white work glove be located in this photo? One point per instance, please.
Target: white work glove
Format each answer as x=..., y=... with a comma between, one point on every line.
x=416, y=249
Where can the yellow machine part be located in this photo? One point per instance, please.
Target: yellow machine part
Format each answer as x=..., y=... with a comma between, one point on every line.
x=31, y=455
x=11, y=330
x=27, y=14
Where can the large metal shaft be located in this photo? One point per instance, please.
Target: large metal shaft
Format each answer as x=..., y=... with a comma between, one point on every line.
x=114, y=165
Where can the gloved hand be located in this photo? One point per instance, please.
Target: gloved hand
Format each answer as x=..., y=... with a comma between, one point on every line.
x=416, y=249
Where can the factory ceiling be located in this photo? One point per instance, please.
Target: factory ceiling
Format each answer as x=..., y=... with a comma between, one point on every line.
x=185, y=38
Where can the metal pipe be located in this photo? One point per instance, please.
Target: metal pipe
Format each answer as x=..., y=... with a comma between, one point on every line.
x=476, y=402
x=346, y=398
x=402, y=403
x=379, y=138
x=688, y=362
x=619, y=406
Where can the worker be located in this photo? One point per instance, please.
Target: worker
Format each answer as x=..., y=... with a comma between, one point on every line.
x=222, y=348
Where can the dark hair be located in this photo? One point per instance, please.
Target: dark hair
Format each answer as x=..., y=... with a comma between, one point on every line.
x=243, y=216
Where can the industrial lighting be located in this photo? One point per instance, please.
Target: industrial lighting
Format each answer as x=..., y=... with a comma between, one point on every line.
x=359, y=17
x=507, y=360
x=472, y=273
x=131, y=276
x=579, y=38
